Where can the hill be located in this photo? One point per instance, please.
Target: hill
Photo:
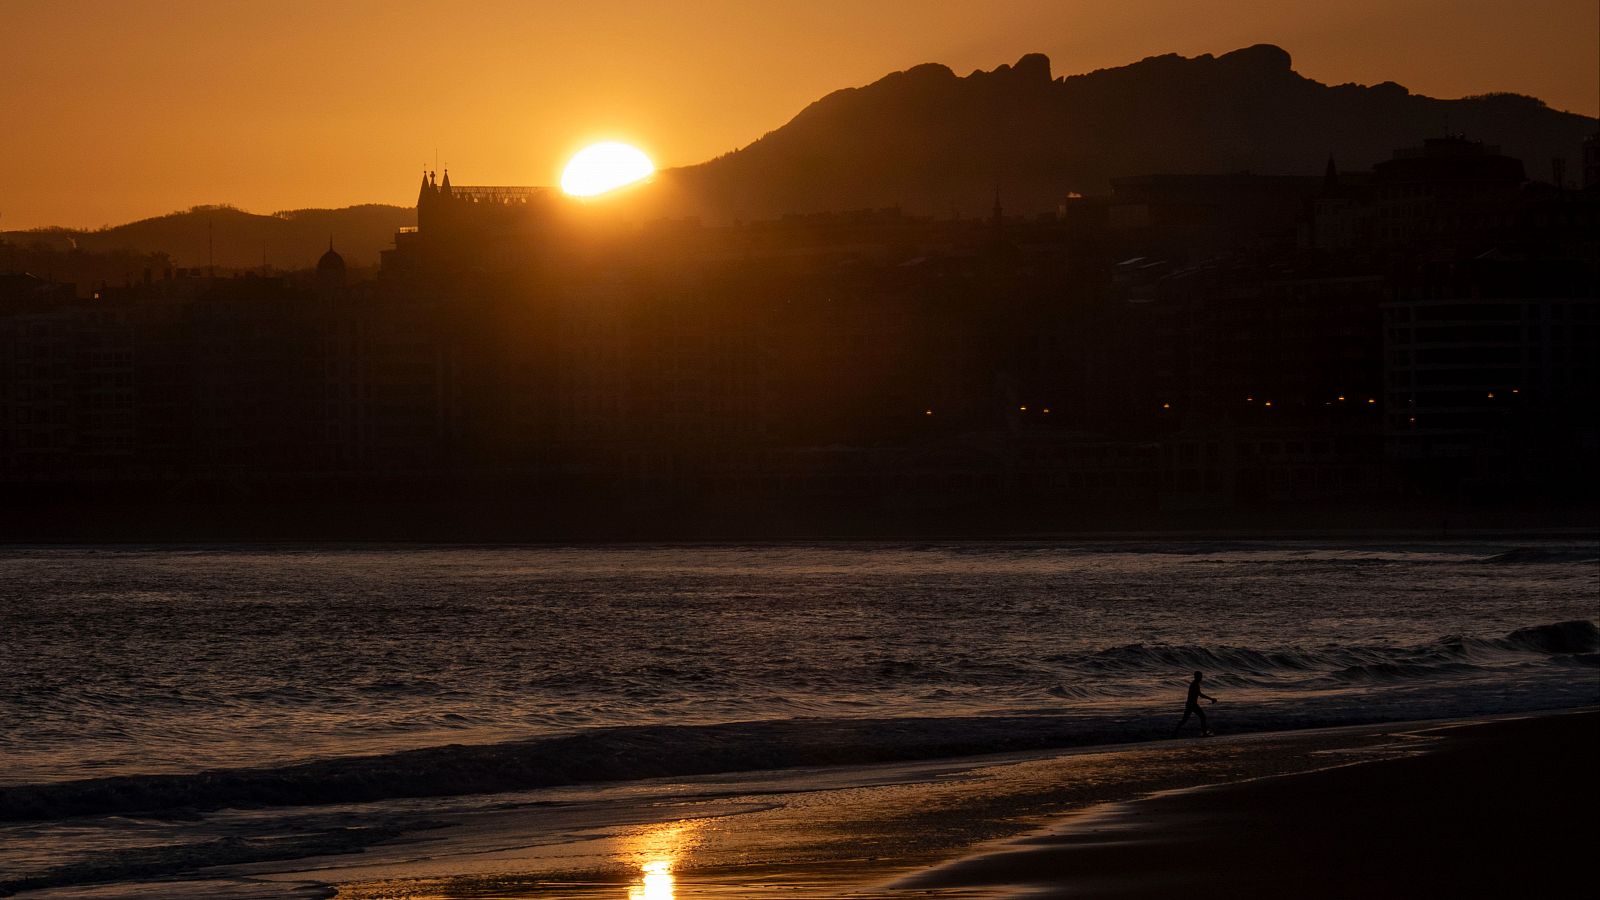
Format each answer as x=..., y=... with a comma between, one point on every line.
x=291, y=240
x=931, y=142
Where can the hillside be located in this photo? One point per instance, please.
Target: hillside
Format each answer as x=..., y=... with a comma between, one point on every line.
x=932, y=142
x=291, y=240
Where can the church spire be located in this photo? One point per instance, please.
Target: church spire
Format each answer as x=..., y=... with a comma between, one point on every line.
x=422, y=195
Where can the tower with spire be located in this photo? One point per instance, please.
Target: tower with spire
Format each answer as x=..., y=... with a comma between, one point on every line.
x=458, y=224
x=427, y=200
x=330, y=269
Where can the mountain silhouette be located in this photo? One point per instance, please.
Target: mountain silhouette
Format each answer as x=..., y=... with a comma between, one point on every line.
x=931, y=142
x=291, y=240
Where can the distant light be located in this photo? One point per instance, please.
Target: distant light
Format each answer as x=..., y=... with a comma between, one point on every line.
x=1047, y=410
x=1249, y=399
x=1269, y=403
x=1515, y=391
x=1023, y=408
x=1491, y=395
x=1341, y=398
x=1371, y=400
x=1166, y=406
x=927, y=412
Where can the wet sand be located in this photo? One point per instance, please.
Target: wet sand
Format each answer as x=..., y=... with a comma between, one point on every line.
x=1498, y=809
x=1504, y=808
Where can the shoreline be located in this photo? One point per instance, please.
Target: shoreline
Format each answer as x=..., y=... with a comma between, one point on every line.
x=867, y=831
x=600, y=755
x=957, y=828
x=1487, y=810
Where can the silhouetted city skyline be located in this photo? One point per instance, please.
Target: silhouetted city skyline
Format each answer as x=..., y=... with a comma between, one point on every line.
x=1182, y=345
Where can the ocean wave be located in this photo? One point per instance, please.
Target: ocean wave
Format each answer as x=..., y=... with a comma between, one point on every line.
x=1379, y=663
x=155, y=861
x=1538, y=555
x=630, y=753
x=1576, y=636
x=595, y=755
x=1395, y=671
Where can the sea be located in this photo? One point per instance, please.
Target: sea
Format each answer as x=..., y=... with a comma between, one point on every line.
x=142, y=686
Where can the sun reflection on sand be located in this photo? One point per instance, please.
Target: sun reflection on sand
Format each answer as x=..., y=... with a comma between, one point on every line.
x=656, y=883
x=655, y=850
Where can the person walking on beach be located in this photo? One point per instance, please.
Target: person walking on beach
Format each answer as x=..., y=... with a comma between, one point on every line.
x=1191, y=707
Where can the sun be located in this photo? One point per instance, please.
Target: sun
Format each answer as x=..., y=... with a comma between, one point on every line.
x=603, y=167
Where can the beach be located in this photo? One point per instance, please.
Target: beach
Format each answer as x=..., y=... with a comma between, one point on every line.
x=1496, y=809
x=787, y=720
x=1488, y=807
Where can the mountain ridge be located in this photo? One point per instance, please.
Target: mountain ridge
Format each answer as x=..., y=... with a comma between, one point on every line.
x=932, y=142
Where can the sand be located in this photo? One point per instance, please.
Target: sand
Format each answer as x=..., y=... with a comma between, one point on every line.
x=1497, y=808
x=1501, y=809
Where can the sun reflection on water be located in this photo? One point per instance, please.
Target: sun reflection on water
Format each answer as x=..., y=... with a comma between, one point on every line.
x=655, y=883
x=655, y=850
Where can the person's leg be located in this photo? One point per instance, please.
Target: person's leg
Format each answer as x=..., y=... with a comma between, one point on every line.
x=1204, y=728
x=1183, y=721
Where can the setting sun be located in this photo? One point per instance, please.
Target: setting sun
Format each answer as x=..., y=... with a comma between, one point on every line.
x=603, y=167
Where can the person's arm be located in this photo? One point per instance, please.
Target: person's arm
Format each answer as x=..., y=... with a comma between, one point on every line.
x=1208, y=696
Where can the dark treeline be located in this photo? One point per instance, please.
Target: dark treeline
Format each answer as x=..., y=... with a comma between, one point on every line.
x=1186, y=349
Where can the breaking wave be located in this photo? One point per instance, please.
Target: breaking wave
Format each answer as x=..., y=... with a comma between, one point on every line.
x=1375, y=663
x=1543, y=555
x=1308, y=697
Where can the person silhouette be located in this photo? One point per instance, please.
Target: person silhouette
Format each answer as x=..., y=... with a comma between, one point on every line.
x=1191, y=707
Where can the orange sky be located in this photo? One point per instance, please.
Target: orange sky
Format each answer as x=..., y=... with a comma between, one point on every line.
x=120, y=109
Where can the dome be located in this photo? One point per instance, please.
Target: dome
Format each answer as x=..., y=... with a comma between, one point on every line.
x=330, y=269
x=330, y=261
